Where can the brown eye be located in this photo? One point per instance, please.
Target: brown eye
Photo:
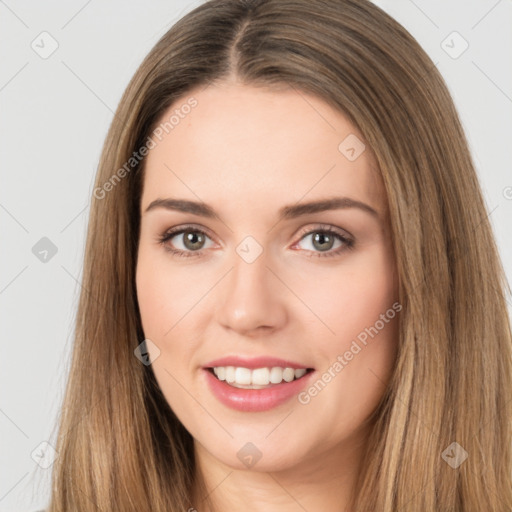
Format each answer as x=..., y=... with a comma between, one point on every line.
x=185, y=241
x=326, y=240
x=323, y=241
x=193, y=240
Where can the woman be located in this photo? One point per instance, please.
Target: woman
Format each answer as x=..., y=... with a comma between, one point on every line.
x=292, y=298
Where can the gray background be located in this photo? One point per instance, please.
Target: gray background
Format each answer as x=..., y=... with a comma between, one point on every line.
x=55, y=112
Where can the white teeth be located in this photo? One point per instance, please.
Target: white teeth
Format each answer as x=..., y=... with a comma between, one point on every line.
x=220, y=372
x=288, y=374
x=300, y=372
x=276, y=375
x=243, y=376
x=230, y=374
x=258, y=378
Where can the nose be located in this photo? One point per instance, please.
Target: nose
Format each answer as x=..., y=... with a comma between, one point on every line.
x=252, y=299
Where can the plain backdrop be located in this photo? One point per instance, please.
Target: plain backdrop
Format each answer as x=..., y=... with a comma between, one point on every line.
x=64, y=66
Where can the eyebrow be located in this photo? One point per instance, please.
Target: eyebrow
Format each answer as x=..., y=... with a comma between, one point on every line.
x=286, y=212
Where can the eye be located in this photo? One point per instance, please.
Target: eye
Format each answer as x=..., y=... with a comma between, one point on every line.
x=322, y=241
x=189, y=241
x=192, y=241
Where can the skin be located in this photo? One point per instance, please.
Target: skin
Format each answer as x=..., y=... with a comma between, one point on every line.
x=247, y=152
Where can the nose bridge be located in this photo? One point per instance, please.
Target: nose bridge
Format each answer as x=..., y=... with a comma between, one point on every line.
x=251, y=297
x=249, y=261
x=250, y=271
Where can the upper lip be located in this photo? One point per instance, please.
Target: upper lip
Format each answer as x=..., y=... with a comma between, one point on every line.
x=255, y=362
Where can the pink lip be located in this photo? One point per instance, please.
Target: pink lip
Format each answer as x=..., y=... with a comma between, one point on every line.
x=255, y=362
x=255, y=400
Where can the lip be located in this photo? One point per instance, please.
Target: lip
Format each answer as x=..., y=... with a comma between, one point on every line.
x=255, y=400
x=255, y=362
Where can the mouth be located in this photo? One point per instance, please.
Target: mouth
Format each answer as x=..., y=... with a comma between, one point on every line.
x=257, y=378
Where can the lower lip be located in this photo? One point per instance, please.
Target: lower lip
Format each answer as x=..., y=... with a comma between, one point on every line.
x=255, y=400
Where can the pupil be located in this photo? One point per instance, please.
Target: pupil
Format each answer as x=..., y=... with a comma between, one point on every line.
x=322, y=238
x=194, y=239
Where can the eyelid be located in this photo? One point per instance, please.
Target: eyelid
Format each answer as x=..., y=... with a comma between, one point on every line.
x=325, y=227
x=189, y=227
x=304, y=231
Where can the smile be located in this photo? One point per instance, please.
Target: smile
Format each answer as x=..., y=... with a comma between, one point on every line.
x=256, y=397
x=258, y=378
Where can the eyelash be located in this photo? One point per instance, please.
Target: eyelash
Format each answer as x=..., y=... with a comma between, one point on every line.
x=348, y=243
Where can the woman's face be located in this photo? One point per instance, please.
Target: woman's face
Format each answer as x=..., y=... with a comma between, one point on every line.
x=257, y=283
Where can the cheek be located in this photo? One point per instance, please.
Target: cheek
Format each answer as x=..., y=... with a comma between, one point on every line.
x=359, y=304
x=357, y=361
x=351, y=297
x=152, y=297
x=169, y=302
x=366, y=329
x=165, y=293
x=160, y=304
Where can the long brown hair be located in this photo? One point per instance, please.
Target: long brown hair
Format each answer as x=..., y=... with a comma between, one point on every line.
x=120, y=445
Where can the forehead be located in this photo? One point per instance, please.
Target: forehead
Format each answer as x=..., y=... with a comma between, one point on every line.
x=240, y=145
